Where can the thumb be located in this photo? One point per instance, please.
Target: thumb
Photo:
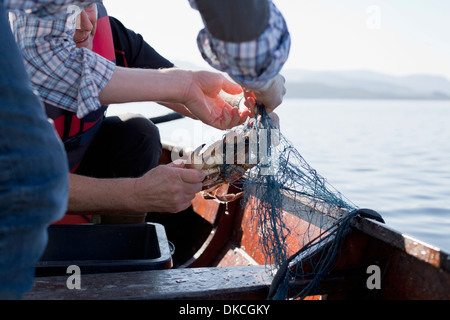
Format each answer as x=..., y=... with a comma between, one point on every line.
x=192, y=175
x=231, y=87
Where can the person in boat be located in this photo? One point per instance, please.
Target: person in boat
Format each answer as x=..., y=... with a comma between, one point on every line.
x=124, y=146
x=33, y=168
x=250, y=41
x=127, y=148
x=167, y=188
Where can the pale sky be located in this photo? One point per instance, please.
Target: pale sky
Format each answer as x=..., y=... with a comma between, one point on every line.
x=397, y=37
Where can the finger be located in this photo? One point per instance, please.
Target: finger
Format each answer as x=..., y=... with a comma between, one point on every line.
x=223, y=118
x=249, y=94
x=226, y=118
x=251, y=105
x=270, y=109
x=183, y=206
x=179, y=163
x=250, y=102
x=190, y=190
x=235, y=117
x=232, y=116
x=231, y=87
x=244, y=114
x=192, y=176
x=275, y=119
x=194, y=189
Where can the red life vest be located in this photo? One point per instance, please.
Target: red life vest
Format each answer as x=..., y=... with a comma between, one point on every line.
x=77, y=134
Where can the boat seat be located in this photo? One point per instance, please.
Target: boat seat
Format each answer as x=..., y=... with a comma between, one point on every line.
x=250, y=282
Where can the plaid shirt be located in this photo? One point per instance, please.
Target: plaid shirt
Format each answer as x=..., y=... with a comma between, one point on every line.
x=72, y=78
x=252, y=63
x=63, y=75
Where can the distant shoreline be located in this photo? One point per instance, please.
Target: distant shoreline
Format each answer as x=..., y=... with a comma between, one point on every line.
x=364, y=85
x=290, y=95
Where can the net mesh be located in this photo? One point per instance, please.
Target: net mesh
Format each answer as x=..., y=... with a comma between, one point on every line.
x=298, y=219
x=281, y=184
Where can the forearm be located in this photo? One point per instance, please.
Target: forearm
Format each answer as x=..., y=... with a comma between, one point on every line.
x=134, y=85
x=95, y=196
x=197, y=90
x=165, y=188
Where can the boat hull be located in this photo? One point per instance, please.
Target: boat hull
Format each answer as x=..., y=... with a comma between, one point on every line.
x=215, y=242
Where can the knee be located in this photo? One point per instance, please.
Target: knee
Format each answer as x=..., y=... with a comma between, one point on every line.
x=147, y=139
x=146, y=132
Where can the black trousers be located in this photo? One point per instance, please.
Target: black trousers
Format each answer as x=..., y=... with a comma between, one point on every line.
x=125, y=146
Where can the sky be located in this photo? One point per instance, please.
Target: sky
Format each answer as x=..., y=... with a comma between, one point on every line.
x=397, y=37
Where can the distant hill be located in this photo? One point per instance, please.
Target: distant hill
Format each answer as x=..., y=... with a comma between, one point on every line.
x=364, y=85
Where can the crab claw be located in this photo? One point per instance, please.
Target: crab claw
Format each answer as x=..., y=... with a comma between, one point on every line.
x=221, y=194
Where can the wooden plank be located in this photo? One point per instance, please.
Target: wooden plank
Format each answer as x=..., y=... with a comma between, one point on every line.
x=411, y=246
x=184, y=283
x=410, y=269
x=234, y=256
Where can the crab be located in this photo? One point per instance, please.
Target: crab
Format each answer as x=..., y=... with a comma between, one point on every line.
x=224, y=162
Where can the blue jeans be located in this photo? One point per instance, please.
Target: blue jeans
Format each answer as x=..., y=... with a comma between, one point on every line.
x=33, y=172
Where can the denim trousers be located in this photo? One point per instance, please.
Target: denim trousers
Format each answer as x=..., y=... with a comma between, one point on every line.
x=34, y=178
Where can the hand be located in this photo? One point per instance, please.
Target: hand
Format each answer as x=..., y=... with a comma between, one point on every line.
x=180, y=108
x=167, y=188
x=275, y=119
x=270, y=95
x=192, y=93
x=202, y=98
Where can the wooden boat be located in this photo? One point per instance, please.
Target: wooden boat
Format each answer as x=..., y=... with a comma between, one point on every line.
x=217, y=256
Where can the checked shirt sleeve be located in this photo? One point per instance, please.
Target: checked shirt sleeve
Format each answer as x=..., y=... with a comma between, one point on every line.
x=253, y=63
x=45, y=7
x=62, y=74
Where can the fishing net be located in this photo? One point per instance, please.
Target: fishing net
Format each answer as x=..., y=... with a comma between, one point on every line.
x=300, y=219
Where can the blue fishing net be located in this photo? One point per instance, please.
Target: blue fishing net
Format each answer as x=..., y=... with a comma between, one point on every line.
x=299, y=219
x=279, y=184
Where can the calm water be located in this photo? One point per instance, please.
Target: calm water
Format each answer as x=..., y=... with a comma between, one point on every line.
x=390, y=156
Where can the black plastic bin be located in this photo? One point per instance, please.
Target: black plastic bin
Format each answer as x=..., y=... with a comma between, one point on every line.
x=102, y=248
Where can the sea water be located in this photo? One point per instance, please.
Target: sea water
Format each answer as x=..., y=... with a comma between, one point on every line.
x=392, y=156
